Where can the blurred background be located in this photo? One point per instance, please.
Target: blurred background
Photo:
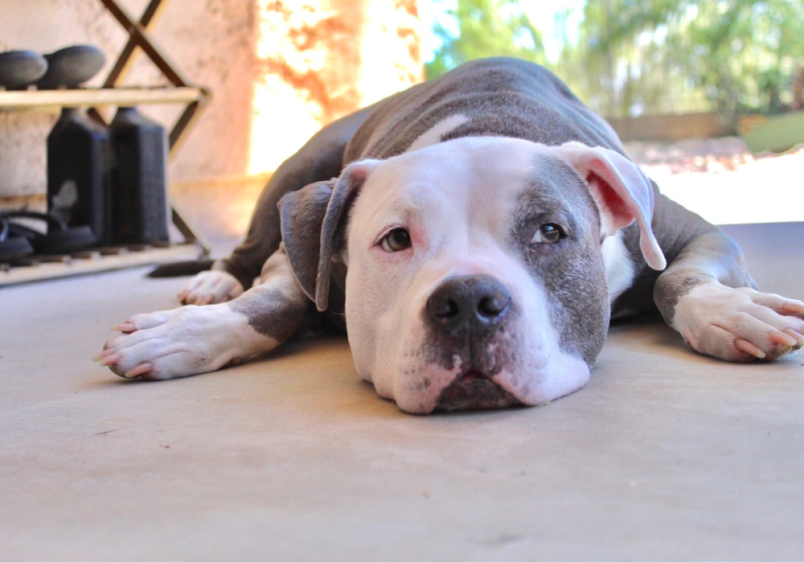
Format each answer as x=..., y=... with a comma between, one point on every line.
x=627, y=58
x=707, y=95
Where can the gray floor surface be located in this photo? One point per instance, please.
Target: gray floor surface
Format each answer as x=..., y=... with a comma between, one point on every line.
x=664, y=455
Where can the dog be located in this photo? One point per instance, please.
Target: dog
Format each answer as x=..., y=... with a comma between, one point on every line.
x=473, y=235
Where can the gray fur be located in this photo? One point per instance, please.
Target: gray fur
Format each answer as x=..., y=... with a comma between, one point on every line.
x=272, y=313
x=501, y=97
x=302, y=214
x=343, y=196
x=571, y=270
x=276, y=309
x=712, y=256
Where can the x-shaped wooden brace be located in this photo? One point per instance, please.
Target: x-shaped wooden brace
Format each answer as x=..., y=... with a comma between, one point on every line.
x=138, y=37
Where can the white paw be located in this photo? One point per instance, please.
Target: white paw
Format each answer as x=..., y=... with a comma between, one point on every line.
x=210, y=287
x=739, y=324
x=180, y=342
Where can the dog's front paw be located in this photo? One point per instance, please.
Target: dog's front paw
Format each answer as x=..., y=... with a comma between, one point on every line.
x=210, y=287
x=180, y=342
x=739, y=325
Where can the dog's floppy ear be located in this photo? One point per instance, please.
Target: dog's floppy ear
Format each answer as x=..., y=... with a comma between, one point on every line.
x=312, y=219
x=622, y=192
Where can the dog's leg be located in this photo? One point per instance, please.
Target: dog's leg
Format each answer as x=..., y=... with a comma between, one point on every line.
x=318, y=160
x=213, y=286
x=708, y=296
x=191, y=340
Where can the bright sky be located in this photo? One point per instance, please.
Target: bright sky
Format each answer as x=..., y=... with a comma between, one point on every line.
x=541, y=12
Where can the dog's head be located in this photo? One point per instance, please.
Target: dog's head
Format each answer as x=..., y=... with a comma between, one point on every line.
x=475, y=273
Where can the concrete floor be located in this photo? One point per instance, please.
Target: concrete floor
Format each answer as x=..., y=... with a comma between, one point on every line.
x=664, y=455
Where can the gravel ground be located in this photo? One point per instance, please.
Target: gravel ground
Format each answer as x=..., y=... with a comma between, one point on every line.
x=724, y=182
x=699, y=155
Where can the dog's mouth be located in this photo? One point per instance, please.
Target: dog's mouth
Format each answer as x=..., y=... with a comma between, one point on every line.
x=473, y=390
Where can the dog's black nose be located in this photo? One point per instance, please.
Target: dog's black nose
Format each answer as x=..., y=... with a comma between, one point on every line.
x=472, y=301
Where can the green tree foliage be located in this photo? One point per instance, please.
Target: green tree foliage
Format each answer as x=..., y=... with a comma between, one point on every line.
x=486, y=28
x=653, y=56
x=741, y=54
x=619, y=73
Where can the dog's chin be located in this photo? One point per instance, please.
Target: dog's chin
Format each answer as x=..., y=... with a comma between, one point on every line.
x=474, y=391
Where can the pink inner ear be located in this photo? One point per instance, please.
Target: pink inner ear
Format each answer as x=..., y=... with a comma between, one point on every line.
x=611, y=200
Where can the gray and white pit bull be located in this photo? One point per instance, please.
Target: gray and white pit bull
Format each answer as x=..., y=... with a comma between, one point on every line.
x=477, y=235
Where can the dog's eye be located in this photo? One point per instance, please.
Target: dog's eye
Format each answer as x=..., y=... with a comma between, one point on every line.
x=549, y=233
x=396, y=240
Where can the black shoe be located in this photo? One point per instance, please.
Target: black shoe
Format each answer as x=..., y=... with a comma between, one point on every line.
x=12, y=247
x=59, y=238
x=18, y=69
x=71, y=66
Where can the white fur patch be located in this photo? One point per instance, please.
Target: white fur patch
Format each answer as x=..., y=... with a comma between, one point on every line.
x=620, y=269
x=736, y=324
x=434, y=134
x=186, y=341
x=213, y=286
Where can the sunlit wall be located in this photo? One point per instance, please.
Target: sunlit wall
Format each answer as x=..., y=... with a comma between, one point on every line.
x=318, y=60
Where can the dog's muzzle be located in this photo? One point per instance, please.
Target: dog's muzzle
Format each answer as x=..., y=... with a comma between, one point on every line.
x=465, y=315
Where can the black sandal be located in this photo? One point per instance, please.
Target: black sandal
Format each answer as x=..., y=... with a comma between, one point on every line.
x=59, y=238
x=12, y=247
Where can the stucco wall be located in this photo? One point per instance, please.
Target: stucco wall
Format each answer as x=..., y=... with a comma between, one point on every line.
x=211, y=41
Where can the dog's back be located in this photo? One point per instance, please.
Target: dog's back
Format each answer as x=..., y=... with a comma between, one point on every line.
x=499, y=97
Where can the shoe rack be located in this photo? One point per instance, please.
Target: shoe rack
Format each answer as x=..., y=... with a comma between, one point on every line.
x=194, y=98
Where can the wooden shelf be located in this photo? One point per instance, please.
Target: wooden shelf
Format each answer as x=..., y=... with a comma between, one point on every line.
x=38, y=268
x=101, y=97
x=181, y=91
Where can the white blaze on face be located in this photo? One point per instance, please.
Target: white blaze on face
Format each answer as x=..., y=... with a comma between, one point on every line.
x=456, y=200
x=437, y=131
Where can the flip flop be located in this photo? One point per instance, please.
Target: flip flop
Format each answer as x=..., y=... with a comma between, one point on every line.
x=12, y=247
x=59, y=238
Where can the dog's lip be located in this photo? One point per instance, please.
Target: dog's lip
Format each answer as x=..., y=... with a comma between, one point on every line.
x=472, y=374
x=474, y=390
